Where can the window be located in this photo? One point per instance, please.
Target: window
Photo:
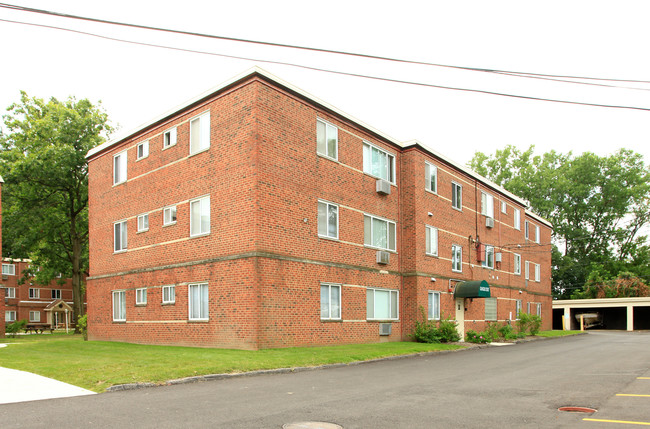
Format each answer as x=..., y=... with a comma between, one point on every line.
x=537, y=273
x=120, y=236
x=504, y=207
x=379, y=233
x=432, y=241
x=487, y=205
x=488, y=261
x=10, y=316
x=119, y=306
x=169, y=294
x=200, y=216
x=169, y=215
x=141, y=296
x=378, y=163
x=169, y=138
x=198, y=301
x=34, y=293
x=200, y=133
x=330, y=302
x=328, y=219
x=526, y=228
x=8, y=270
x=143, y=222
x=517, y=215
x=381, y=304
x=434, y=305
x=456, y=258
x=34, y=316
x=527, y=271
x=517, y=264
x=431, y=177
x=119, y=168
x=143, y=150
x=491, y=309
x=327, y=139
x=10, y=292
x=517, y=308
x=537, y=234
x=456, y=196
x=56, y=293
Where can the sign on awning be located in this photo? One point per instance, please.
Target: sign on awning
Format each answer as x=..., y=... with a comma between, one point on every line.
x=472, y=289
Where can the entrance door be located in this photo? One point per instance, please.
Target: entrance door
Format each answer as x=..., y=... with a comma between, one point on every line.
x=460, y=317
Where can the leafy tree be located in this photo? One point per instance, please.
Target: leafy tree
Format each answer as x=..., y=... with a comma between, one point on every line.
x=598, y=207
x=45, y=195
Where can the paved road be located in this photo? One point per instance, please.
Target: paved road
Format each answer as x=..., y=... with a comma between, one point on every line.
x=505, y=387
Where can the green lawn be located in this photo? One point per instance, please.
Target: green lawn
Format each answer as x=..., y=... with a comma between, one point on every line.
x=557, y=333
x=98, y=365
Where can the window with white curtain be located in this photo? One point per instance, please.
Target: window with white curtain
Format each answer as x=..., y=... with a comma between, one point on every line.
x=198, y=301
x=381, y=304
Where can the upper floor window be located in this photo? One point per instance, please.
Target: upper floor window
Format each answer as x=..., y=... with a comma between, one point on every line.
x=119, y=306
x=434, y=306
x=141, y=296
x=431, y=177
x=381, y=304
x=34, y=293
x=517, y=264
x=488, y=260
x=487, y=205
x=456, y=258
x=517, y=216
x=169, y=215
x=200, y=216
x=169, y=138
x=378, y=162
x=169, y=294
x=432, y=241
x=119, y=168
x=10, y=292
x=537, y=234
x=143, y=149
x=527, y=271
x=328, y=219
x=200, y=133
x=330, y=301
x=378, y=232
x=143, y=222
x=327, y=139
x=526, y=229
x=504, y=207
x=56, y=293
x=8, y=269
x=456, y=196
x=119, y=236
x=537, y=273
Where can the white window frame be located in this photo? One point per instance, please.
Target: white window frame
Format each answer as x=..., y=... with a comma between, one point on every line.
x=389, y=174
x=10, y=316
x=434, y=306
x=371, y=299
x=389, y=224
x=142, y=150
x=527, y=271
x=488, y=317
x=539, y=309
x=504, y=207
x=430, y=177
x=330, y=290
x=487, y=204
x=457, y=196
x=456, y=258
x=169, y=215
x=537, y=234
x=119, y=306
x=169, y=292
x=34, y=316
x=203, y=205
x=10, y=292
x=120, y=228
x=8, y=269
x=170, y=138
x=538, y=277
x=324, y=128
x=517, y=264
x=143, y=222
x=201, y=142
x=203, y=307
x=120, y=172
x=55, y=293
x=488, y=261
x=526, y=229
x=325, y=215
x=431, y=241
x=517, y=219
x=518, y=308
x=34, y=293
x=141, y=296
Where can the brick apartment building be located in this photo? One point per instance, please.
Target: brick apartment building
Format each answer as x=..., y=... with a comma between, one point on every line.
x=258, y=216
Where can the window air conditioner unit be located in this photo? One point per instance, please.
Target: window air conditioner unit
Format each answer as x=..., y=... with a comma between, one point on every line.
x=383, y=257
x=385, y=329
x=489, y=222
x=497, y=257
x=383, y=187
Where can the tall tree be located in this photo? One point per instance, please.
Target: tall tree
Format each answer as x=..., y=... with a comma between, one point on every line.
x=45, y=196
x=598, y=207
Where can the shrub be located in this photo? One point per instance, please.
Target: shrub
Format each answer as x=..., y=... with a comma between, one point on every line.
x=82, y=323
x=508, y=332
x=427, y=331
x=523, y=320
x=534, y=324
x=15, y=327
x=492, y=331
x=448, y=332
x=472, y=336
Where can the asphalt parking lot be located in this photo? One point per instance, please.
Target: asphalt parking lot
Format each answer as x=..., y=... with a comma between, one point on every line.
x=518, y=386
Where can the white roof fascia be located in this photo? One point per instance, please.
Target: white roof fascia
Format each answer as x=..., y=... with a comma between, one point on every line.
x=539, y=218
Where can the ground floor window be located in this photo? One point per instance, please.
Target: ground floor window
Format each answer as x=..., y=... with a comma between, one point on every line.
x=141, y=296
x=119, y=306
x=434, y=305
x=490, y=309
x=381, y=304
x=517, y=308
x=539, y=310
x=10, y=316
x=34, y=316
x=330, y=301
x=198, y=301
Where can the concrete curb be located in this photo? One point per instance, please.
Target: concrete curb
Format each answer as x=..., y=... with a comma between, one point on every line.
x=225, y=376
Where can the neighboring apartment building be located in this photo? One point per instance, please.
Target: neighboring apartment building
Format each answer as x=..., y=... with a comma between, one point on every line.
x=257, y=216
x=38, y=304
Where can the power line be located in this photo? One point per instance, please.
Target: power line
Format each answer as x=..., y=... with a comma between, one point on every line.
x=478, y=91
x=307, y=48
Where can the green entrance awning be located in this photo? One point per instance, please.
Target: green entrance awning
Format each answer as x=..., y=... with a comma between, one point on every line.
x=473, y=289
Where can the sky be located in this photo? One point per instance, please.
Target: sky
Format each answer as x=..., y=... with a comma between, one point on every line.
x=136, y=83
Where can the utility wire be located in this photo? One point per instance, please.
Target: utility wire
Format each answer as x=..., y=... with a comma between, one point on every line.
x=478, y=91
x=306, y=48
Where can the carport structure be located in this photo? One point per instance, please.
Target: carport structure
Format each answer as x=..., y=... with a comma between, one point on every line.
x=629, y=314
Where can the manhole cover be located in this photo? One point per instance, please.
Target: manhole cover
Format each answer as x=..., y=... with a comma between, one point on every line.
x=577, y=409
x=312, y=425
